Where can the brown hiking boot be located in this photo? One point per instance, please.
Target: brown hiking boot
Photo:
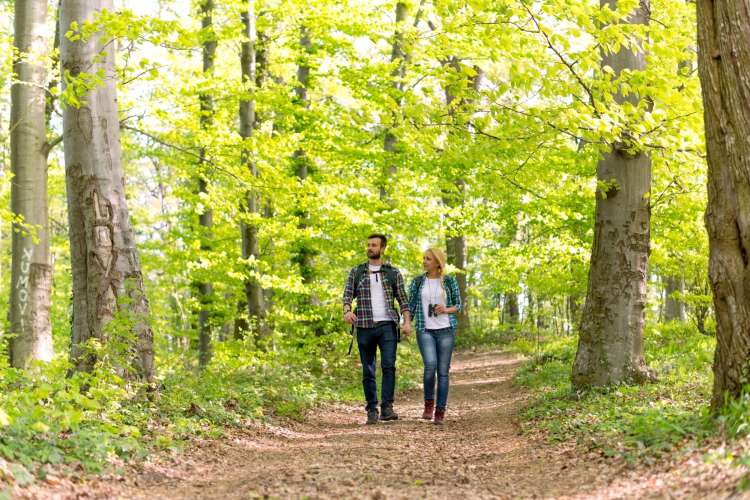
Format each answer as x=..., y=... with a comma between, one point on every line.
x=439, y=416
x=429, y=409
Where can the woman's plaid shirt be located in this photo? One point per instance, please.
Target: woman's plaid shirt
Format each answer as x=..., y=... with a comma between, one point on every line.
x=364, y=298
x=415, y=300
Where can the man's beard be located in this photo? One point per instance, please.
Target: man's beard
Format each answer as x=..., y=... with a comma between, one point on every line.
x=373, y=255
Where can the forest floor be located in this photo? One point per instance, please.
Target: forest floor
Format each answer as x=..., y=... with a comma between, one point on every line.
x=480, y=452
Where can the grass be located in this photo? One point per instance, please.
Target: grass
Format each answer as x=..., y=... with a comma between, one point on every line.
x=634, y=422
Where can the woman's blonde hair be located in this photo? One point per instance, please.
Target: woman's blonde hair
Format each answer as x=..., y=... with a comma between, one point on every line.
x=439, y=256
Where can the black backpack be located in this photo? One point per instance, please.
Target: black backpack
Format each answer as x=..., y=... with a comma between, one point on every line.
x=385, y=269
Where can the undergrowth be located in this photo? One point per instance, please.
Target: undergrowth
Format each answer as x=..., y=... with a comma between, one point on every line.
x=54, y=424
x=636, y=422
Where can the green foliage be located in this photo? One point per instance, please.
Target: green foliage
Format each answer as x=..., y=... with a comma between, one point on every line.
x=635, y=422
x=523, y=143
x=89, y=420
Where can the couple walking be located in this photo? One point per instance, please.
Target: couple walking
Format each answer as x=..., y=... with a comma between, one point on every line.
x=432, y=304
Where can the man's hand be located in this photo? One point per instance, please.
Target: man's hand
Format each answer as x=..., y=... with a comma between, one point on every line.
x=406, y=328
x=350, y=317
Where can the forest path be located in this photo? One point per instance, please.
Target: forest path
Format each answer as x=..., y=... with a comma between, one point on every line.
x=478, y=453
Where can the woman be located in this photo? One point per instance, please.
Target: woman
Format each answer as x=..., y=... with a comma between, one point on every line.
x=434, y=301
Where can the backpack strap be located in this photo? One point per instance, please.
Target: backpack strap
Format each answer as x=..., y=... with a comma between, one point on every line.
x=390, y=274
x=359, y=273
x=387, y=269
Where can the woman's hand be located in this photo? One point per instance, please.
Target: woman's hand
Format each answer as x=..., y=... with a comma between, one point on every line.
x=441, y=309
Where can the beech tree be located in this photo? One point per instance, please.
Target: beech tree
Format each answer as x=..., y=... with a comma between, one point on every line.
x=610, y=346
x=107, y=278
x=253, y=300
x=31, y=271
x=205, y=218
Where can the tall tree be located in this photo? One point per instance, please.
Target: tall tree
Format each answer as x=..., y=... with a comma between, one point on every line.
x=107, y=279
x=300, y=160
x=610, y=346
x=723, y=66
x=253, y=300
x=399, y=57
x=205, y=97
x=458, y=102
x=31, y=272
x=511, y=313
x=674, y=309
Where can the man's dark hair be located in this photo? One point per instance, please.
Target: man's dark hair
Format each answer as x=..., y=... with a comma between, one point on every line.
x=381, y=237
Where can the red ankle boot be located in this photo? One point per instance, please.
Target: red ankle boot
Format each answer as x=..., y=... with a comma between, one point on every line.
x=429, y=408
x=439, y=416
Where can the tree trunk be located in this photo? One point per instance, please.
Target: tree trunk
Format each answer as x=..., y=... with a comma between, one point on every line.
x=390, y=140
x=674, y=310
x=511, y=312
x=107, y=279
x=610, y=345
x=723, y=64
x=250, y=208
x=31, y=272
x=205, y=289
x=529, y=317
x=300, y=161
x=456, y=256
x=456, y=241
x=573, y=307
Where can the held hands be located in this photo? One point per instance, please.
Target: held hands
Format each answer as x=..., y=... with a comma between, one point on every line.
x=406, y=328
x=350, y=317
x=441, y=309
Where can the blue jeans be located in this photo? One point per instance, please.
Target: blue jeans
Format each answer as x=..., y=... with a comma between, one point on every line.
x=382, y=335
x=436, y=347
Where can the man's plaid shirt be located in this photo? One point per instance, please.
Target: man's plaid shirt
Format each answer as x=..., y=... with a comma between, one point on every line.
x=453, y=298
x=364, y=299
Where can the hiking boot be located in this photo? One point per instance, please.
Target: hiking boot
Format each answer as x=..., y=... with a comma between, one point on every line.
x=387, y=413
x=372, y=416
x=429, y=409
x=439, y=416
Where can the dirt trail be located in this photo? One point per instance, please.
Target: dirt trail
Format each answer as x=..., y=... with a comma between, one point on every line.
x=478, y=453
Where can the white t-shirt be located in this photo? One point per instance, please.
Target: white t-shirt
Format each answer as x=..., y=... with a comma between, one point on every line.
x=432, y=293
x=377, y=295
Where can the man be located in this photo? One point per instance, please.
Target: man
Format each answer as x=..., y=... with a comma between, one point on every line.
x=375, y=285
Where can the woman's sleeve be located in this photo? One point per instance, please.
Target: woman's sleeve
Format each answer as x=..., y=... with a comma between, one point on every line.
x=456, y=293
x=412, y=297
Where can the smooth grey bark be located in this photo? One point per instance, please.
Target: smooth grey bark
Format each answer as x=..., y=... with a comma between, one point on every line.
x=253, y=299
x=610, y=344
x=107, y=279
x=723, y=66
x=674, y=310
x=31, y=272
x=205, y=219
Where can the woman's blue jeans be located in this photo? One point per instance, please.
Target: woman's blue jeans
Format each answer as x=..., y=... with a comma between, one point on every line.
x=436, y=347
